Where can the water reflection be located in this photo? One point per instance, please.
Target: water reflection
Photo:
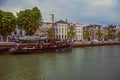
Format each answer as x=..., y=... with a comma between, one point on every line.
x=88, y=63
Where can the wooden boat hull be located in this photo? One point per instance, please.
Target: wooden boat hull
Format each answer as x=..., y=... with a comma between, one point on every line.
x=26, y=51
x=3, y=50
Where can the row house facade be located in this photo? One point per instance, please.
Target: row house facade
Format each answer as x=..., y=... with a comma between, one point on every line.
x=79, y=32
x=42, y=31
x=61, y=29
x=14, y=35
x=93, y=30
x=114, y=30
x=78, y=27
x=117, y=29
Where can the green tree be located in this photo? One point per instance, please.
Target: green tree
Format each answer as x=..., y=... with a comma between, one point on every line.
x=50, y=33
x=99, y=34
x=110, y=35
x=0, y=16
x=29, y=20
x=71, y=32
x=118, y=35
x=7, y=24
x=86, y=35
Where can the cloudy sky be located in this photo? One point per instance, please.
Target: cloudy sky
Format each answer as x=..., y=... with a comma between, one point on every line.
x=102, y=12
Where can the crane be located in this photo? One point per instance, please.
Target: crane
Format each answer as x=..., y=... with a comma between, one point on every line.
x=53, y=25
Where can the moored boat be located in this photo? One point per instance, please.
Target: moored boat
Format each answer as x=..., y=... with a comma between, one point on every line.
x=2, y=50
x=39, y=46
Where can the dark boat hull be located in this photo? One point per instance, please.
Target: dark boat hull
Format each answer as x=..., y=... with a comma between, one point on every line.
x=2, y=50
x=22, y=51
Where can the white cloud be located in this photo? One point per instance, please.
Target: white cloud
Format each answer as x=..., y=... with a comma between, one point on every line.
x=107, y=3
x=11, y=9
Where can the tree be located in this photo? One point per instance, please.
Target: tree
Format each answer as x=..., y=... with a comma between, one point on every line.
x=118, y=35
x=99, y=34
x=110, y=35
x=0, y=16
x=7, y=24
x=71, y=32
x=86, y=35
x=29, y=20
x=50, y=33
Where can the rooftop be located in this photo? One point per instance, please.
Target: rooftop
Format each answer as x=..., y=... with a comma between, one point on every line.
x=61, y=21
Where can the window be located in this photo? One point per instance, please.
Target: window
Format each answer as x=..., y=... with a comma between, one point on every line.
x=62, y=36
x=65, y=37
x=59, y=30
x=65, y=30
x=0, y=39
x=62, y=30
x=59, y=37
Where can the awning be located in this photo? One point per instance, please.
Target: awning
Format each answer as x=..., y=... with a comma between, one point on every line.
x=29, y=38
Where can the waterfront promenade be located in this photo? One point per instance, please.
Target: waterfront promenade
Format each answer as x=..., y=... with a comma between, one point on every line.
x=74, y=44
x=94, y=43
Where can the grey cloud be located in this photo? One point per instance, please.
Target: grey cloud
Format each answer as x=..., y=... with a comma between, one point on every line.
x=86, y=11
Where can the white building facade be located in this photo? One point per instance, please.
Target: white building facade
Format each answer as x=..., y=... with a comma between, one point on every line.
x=117, y=28
x=61, y=29
x=78, y=31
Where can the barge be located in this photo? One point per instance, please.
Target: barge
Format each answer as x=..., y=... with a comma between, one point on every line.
x=39, y=48
x=40, y=45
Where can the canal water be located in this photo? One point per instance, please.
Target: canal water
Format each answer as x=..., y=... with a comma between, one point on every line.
x=87, y=63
